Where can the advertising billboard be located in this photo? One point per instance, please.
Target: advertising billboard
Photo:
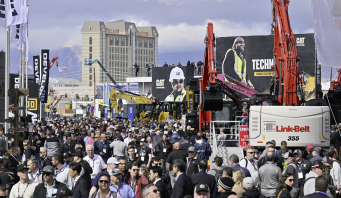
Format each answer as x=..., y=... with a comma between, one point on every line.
x=169, y=83
x=249, y=59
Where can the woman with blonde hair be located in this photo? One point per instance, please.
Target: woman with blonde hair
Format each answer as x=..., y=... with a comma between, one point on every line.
x=238, y=176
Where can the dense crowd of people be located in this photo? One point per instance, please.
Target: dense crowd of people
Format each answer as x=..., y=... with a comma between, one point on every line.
x=103, y=158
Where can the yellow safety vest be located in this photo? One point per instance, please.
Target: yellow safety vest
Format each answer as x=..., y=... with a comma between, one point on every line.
x=178, y=98
x=238, y=65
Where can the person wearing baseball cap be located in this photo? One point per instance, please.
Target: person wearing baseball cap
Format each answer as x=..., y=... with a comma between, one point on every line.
x=118, y=186
x=144, y=153
x=50, y=185
x=318, y=168
x=25, y=187
x=316, y=155
x=304, y=165
x=310, y=149
x=63, y=192
x=225, y=185
x=201, y=190
x=250, y=189
x=111, y=164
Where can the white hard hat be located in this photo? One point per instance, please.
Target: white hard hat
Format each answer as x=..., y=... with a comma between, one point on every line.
x=176, y=73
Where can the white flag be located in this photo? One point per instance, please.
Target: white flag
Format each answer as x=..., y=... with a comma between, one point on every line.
x=16, y=33
x=327, y=27
x=16, y=12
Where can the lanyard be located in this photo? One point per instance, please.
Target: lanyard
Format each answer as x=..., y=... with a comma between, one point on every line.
x=34, y=178
x=15, y=158
x=132, y=184
x=24, y=190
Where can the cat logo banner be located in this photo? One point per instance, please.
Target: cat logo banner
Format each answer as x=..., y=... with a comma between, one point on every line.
x=249, y=59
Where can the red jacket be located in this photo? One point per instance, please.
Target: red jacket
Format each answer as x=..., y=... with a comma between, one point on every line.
x=140, y=183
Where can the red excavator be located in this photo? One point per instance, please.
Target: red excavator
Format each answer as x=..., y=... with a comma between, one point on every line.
x=288, y=76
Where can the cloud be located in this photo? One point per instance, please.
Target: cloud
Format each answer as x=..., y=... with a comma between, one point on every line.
x=184, y=37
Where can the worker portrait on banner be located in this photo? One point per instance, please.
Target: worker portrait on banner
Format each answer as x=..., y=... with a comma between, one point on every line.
x=234, y=63
x=177, y=80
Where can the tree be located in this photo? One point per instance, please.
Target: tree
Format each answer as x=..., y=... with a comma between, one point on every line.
x=86, y=97
x=54, y=110
x=82, y=106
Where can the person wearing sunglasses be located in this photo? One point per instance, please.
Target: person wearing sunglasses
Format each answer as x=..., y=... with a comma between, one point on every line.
x=317, y=169
x=151, y=191
x=122, y=189
x=293, y=169
x=285, y=186
x=103, y=188
x=155, y=174
x=49, y=186
x=177, y=80
x=135, y=180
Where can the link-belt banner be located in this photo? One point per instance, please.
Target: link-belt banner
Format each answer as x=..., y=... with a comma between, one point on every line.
x=249, y=59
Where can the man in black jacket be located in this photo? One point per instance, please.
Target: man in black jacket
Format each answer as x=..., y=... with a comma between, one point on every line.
x=225, y=185
x=44, y=159
x=164, y=148
x=155, y=173
x=14, y=159
x=192, y=162
x=78, y=158
x=48, y=175
x=79, y=188
x=203, y=178
x=183, y=184
x=249, y=187
x=68, y=146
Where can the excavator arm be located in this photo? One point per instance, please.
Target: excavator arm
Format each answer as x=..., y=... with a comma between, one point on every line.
x=287, y=74
x=211, y=99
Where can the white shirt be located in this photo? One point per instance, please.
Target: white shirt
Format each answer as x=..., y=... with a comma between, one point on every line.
x=128, y=140
x=97, y=164
x=156, y=181
x=28, y=193
x=335, y=172
x=75, y=180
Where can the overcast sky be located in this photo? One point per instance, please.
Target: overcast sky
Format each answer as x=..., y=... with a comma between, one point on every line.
x=181, y=23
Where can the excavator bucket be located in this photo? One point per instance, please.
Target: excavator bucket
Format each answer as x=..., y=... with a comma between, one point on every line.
x=212, y=102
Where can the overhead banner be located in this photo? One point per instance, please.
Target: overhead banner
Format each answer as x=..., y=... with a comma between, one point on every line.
x=327, y=28
x=249, y=59
x=44, y=72
x=169, y=83
x=36, y=66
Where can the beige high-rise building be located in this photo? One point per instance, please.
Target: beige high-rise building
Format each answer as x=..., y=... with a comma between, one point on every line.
x=118, y=45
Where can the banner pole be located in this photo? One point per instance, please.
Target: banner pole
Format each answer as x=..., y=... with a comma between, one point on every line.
x=7, y=63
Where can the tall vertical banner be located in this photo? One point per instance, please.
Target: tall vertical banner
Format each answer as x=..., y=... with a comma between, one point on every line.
x=44, y=74
x=131, y=114
x=327, y=28
x=36, y=66
x=114, y=113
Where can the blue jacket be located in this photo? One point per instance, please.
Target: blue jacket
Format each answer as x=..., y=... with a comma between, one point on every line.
x=203, y=150
x=99, y=147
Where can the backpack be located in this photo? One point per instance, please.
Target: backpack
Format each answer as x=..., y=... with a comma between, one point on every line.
x=218, y=174
x=301, y=192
